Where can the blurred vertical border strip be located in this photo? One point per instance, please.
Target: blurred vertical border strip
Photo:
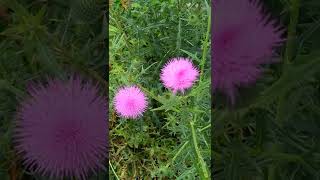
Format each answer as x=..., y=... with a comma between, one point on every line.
x=212, y=94
x=106, y=75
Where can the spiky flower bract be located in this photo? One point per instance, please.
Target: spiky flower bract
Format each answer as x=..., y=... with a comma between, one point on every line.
x=61, y=130
x=179, y=74
x=243, y=40
x=130, y=102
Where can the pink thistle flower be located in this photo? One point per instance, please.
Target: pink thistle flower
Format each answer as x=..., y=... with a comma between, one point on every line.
x=179, y=74
x=62, y=129
x=243, y=39
x=130, y=102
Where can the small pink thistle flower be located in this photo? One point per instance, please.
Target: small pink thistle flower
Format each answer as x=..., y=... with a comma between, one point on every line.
x=130, y=102
x=179, y=74
x=243, y=40
x=62, y=129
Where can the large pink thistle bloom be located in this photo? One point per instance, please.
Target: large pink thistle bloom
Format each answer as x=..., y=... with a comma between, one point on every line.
x=179, y=74
x=62, y=129
x=243, y=40
x=130, y=102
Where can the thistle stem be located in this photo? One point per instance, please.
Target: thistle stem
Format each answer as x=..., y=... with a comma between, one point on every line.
x=294, y=15
x=115, y=174
x=205, y=45
x=205, y=128
x=178, y=153
x=204, y=172
x=290, y=46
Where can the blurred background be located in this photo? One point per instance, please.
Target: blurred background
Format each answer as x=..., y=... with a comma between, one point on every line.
x=273, y=130
x=40, y=39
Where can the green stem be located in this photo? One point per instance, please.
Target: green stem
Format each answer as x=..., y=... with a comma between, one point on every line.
x=204, y=170
x=205, y=43
x=153, y=96
x=66, y=28
x=177, y=154
x=178, y=44
x=204, y=128
x=149, y=93
x=115, y=174
x=290, y=47
x=294, y=15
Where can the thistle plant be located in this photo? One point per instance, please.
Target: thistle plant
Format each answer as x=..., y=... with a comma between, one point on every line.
x=61, y=129
x=130, y=102
x=151, y=47
x=179, y=74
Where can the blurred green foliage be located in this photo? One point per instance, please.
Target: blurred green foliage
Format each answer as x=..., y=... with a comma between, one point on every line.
x=41, y=38
x=273, y=133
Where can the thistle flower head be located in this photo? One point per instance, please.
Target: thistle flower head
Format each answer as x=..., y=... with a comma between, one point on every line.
x=179, y=74
x=243, y=40
x=61, y=130
x=130, y=102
